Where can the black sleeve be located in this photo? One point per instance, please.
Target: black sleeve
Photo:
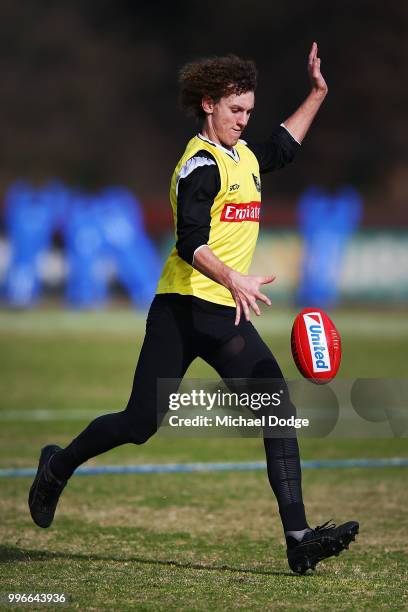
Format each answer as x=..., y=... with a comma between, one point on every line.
x=276, y=152
x=198, y=185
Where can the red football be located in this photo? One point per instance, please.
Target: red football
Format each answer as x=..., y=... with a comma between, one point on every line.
x=316, y=346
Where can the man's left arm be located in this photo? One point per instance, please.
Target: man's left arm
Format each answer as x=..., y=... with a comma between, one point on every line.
x=282, y=145
x=299, y=123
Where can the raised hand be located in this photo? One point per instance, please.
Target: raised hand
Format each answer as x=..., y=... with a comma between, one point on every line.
x=313, y=67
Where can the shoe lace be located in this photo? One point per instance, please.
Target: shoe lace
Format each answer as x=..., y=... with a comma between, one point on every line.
x=327, y=525
x=48, y=491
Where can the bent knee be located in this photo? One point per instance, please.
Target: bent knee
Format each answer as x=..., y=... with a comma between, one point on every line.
x=141, y=432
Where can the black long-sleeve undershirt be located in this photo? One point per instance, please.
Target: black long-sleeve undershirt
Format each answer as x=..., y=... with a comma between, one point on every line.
x=195, y=196
x=275, y=152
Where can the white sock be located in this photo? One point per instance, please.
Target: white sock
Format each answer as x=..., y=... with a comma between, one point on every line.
x=298, y=535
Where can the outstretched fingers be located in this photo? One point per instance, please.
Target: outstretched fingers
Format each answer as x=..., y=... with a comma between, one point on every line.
x=265, y=280
x=246, y=297
x=263, y=298
x=312, y=54
x=255, y=306
x=237, y=312
x=245, y=308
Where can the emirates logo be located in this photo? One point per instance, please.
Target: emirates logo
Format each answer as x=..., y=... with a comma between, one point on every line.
x=237, y=213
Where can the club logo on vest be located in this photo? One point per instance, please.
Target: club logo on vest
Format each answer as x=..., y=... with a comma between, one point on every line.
x=234, y=187
x=257, y=182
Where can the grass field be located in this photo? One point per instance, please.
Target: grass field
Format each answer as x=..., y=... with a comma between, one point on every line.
x=187, y=541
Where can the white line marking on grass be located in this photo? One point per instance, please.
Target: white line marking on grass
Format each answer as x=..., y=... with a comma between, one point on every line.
x=390, y=324
x=179, y=468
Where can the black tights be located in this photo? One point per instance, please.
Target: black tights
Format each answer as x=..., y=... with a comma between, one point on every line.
x=179, y=329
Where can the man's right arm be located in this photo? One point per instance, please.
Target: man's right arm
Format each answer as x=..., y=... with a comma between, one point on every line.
x=197, y=186
x=245, y=289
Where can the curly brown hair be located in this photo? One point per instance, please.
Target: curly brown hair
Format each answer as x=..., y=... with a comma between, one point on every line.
x=214, y=77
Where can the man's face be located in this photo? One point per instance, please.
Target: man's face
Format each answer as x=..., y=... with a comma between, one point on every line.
x=229, y=116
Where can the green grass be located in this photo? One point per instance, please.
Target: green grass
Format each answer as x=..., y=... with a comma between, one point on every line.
x=187, y=541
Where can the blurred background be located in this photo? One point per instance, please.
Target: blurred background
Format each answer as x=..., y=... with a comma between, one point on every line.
x=91, y=132
x=90, y=135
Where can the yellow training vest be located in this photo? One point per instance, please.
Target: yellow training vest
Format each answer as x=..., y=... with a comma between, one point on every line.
x=234, y=223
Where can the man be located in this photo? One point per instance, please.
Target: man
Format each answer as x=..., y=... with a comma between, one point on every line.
x=205, y=295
